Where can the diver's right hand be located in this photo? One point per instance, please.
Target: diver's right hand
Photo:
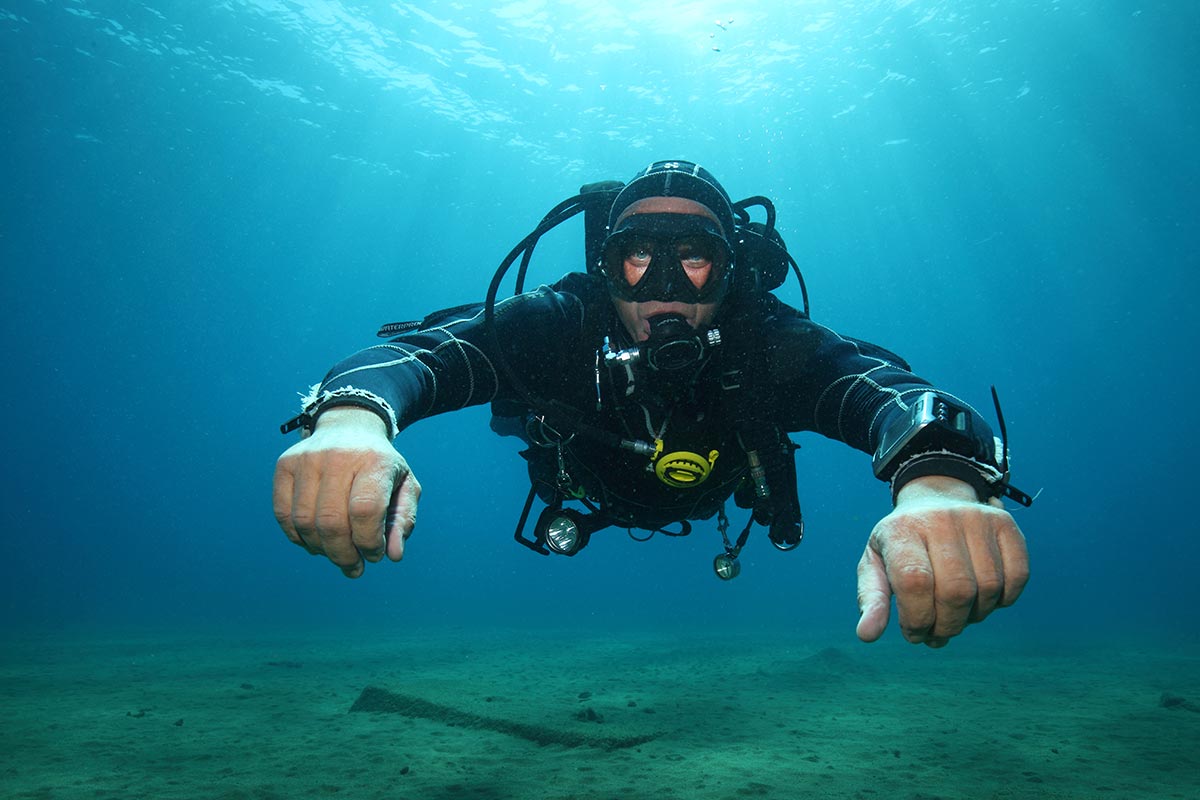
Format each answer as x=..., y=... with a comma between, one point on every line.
x=345, y=493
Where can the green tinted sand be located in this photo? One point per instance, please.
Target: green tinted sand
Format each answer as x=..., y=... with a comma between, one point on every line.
x=539, y=714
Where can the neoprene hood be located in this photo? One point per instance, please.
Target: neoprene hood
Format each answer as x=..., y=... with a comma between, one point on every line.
x=677, y=179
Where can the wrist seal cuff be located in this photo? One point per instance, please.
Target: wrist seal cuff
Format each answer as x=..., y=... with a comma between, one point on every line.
x=987, y=481
x=318, y=402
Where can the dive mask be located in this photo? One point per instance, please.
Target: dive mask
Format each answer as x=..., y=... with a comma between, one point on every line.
x=680, y=258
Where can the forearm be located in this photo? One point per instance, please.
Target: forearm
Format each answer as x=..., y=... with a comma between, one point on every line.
x=451, y=361
x=408, y=378
x=867, y=397
x=845, y=388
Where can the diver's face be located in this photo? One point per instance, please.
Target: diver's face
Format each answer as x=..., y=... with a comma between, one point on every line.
x=695, y=260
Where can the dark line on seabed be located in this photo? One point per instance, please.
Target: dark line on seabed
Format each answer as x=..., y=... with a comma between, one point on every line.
x=374, y=699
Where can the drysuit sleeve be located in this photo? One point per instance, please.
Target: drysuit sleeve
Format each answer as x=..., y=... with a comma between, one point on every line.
x=848, y=389
x=450, y=361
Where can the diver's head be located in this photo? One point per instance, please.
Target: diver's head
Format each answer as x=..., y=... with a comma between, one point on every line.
x=668, y=247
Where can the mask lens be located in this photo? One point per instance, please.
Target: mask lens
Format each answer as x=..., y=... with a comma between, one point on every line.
x=676, y=265
x=634, y=260
x=699, y=262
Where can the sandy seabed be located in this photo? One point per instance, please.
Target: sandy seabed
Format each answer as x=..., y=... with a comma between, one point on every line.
x=543, y=714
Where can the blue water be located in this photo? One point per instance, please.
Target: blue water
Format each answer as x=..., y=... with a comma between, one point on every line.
x=205, y=205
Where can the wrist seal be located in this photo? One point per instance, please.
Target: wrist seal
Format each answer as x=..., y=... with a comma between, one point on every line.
x=318, y=401
x=988, y=482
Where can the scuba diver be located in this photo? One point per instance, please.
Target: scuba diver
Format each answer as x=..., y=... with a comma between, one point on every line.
x=653, y=389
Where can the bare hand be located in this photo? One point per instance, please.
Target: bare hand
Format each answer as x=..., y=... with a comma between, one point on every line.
x=345, y=492
x=949, y=559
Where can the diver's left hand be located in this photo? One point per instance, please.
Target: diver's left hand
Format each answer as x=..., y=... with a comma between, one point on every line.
x=949, y=559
